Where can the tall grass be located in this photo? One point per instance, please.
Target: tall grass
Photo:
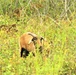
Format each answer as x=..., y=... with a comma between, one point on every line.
x=46, y=19
x=60, y=61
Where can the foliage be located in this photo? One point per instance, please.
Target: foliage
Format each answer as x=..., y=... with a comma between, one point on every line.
x=45, y=18
x=60, y=61
x=21, y=8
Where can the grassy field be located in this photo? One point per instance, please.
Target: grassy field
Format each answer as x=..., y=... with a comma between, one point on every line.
x=61, y=38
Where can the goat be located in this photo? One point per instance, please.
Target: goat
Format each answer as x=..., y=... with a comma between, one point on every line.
x=29, y=42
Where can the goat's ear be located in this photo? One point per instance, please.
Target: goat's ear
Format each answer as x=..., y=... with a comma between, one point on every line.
x=34, y=38
x=41, y=38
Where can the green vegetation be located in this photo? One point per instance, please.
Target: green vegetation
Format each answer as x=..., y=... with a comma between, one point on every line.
x=40, y=17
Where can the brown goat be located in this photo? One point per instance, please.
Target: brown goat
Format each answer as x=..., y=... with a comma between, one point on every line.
x=29, y=42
